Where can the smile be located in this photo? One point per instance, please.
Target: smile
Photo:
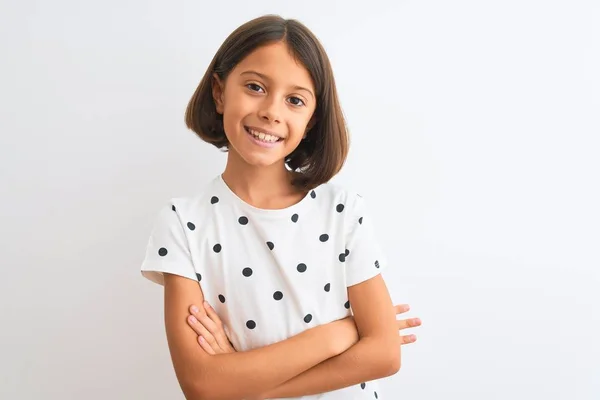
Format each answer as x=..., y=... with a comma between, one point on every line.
x=263, y=136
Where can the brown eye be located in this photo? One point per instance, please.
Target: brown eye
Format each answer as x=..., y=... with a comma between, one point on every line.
x=254, y=87
x=296, y=101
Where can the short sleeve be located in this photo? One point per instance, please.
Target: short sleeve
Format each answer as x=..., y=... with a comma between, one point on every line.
x=167, y=249
x=365, y=258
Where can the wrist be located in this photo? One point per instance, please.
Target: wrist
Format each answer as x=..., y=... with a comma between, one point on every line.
x=329, y=336
x=321, y=340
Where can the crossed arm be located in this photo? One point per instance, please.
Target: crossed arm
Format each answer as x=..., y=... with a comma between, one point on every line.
x=284, y=369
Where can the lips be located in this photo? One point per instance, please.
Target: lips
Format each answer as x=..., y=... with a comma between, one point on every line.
x=262, y=130
x=263, y=134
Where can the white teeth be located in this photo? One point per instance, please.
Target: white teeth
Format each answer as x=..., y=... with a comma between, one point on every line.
x=263, y=136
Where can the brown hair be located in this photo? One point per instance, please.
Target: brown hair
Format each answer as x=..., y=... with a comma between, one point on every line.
x=321, y=155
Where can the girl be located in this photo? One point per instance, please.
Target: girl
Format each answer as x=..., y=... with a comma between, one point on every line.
x=288, y=260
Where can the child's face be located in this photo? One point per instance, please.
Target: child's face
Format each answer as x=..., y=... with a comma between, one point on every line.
x=267, y=92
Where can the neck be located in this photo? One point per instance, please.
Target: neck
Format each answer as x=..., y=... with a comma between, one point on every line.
x=261, y=186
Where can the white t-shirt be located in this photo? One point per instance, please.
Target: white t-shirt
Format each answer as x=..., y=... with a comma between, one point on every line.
x=269, y=274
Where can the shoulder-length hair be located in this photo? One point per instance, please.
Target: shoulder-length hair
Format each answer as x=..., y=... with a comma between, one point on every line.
x=318, y=157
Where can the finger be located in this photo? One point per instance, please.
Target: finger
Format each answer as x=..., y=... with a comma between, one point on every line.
x=401, y=308
x=199, y=321
x=208, y=324
x=197, y=326
x=202, y=316
x=231, y=347
x=205, y=345
x=408, y=323
x=218, y=332
x=208, y=337
x=407, y=339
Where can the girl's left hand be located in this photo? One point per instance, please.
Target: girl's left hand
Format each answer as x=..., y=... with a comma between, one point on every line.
x=211, y=334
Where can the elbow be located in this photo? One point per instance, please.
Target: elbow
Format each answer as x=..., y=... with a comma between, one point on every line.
x=196, y=390
x=200, y=393
x=192, y=391
x=390, y=361
x=203, y=391
x=384, y=357
x=199, y=386
x=196, y=394
x=393, y=365
x=389, y=366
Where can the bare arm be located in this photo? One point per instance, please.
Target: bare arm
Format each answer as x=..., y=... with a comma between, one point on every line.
x=234, y=375
x=376, y=355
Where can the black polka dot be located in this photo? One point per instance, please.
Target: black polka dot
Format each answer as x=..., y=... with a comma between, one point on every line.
x=214, y=200
x=251, y=324
x=375, y=393
x=222, y=298
x=270, y=245
x=308, y=318
x=191, y=226
x=339, y=208
x=247, y=272
x=342, y=257
x=278, y=295
x=198, y=276
x=363, y=385
x=324, y=237
x=360, y=220
x=347, y=253
x=217, y=248
x=173, y=208
x=162, y=252
x=327, y=287
x=295, y=218
x=243, y=220
x=301, y=267
x=313, y=194
x=347, y=305
x=376, y=264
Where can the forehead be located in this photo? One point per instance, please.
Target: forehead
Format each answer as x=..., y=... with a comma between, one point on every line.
x=276, y=61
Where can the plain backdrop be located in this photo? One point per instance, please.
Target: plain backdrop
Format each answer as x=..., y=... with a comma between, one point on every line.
x=475, y=139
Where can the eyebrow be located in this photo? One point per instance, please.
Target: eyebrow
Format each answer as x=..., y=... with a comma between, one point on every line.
x=268, y=79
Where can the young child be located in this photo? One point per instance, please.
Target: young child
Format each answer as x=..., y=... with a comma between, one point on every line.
x=288, y=260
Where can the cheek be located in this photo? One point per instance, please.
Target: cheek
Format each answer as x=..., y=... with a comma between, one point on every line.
x=234, y=101
x=301, y=125
x=232, y=108
x=233, y=115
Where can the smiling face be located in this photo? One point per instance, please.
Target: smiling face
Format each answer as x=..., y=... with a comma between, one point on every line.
x=267, y=102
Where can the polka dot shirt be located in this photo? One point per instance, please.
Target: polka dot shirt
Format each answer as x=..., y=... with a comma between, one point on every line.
x=269, y=274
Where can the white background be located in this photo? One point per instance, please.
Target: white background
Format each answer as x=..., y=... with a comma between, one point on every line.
x=475, y=129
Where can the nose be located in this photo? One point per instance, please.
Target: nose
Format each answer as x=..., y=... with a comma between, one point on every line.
x=269, y=111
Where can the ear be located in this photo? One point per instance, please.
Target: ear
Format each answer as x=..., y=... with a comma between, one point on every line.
x=217, y=92
x=309, y=126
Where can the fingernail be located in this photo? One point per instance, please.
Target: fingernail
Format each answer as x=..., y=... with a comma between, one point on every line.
x=202, y=339
x=194, y=309
x=193, y=319
x=206, y=304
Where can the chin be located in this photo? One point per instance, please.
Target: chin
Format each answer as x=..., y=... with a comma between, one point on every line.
x=258, y=161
